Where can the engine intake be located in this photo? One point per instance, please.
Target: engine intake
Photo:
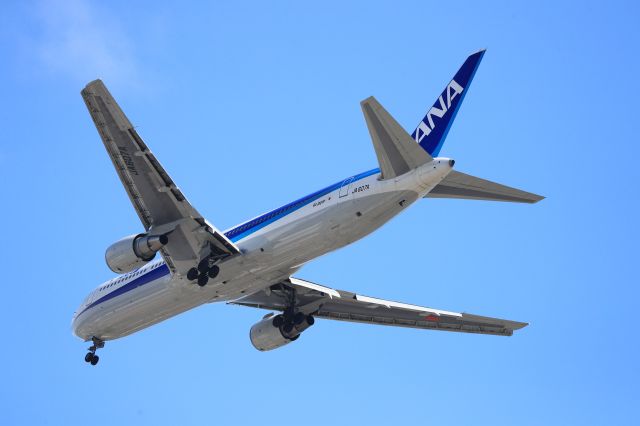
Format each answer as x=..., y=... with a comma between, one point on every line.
x=133, y=251
x=276, y=331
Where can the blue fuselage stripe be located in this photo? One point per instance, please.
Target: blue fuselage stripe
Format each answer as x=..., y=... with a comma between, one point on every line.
x=150, y=276
x=258, y=223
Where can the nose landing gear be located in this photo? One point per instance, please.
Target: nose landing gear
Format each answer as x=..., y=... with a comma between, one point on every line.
x=91, y=357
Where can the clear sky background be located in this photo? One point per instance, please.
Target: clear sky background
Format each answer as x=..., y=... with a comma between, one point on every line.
x=251, y=105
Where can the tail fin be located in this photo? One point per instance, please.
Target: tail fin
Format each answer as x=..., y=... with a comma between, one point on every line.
x=430, y=133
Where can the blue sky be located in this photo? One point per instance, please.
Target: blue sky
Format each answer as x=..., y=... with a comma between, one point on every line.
x=251, y=105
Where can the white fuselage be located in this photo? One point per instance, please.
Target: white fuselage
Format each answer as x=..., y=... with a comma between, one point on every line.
x=273, y=246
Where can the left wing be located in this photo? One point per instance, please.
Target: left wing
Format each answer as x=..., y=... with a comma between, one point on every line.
x=161, y=206
x=325, y=302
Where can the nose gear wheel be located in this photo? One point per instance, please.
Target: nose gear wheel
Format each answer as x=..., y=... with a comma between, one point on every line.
x=91, y=357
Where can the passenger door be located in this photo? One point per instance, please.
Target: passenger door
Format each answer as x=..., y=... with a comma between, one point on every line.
x=343, y=194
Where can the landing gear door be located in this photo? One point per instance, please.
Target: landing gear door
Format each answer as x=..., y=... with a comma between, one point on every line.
x=344, y=189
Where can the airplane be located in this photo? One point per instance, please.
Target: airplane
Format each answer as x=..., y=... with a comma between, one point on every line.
x=253, y=264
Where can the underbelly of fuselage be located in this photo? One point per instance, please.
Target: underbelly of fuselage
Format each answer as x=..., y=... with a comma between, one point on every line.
x=270, y=255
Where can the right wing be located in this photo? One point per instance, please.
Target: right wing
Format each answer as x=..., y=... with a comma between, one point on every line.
x=461, y=185
x=161, y=206
x=325, y=302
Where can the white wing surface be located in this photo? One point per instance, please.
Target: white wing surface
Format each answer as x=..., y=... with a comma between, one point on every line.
x=161, y=206
x=325, y=302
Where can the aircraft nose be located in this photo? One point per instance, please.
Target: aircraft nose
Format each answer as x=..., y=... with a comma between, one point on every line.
x=74, y=323
x=77, y=326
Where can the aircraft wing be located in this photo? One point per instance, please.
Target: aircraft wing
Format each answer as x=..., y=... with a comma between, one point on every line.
x=461, y=185
x=161, y=206
x=325, y=302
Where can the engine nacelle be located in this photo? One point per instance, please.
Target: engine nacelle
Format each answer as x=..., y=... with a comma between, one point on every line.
x=133, y=252
x=273, y=331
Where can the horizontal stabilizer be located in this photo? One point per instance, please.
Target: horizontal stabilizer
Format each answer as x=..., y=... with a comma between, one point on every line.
x=397, y=152
x=461, y=185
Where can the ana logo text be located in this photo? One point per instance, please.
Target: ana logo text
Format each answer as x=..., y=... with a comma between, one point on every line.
x=424, y=129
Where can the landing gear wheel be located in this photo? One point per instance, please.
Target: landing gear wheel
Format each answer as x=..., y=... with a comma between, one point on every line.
x=203, y=266
x=298, y=318
x=310, y=320
x=202, y=280
x=192, y=274
x=278, y=320
x=214, y=271
x=287, y=328
x=91, y=357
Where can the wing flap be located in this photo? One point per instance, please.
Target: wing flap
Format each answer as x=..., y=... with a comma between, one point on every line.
x=461, y=185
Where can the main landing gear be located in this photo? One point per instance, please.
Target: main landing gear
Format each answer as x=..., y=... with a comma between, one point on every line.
x=290, y=322
x=205, y=270
x=91, y=357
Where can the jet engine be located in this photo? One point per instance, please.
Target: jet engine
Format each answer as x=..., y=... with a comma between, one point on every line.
x=276, y=331
x=133, y=251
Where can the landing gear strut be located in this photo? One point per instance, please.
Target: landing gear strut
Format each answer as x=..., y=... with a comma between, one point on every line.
x=292, y=322
x=91, y=357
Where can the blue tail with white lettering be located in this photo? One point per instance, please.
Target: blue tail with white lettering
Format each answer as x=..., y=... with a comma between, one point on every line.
x=433, y=129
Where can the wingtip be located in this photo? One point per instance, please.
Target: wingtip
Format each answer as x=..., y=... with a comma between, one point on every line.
x=96, y=82
x=513, y=327
x=367, y=100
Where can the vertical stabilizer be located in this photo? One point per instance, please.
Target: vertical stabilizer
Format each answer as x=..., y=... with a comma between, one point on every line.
x=433, y=129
